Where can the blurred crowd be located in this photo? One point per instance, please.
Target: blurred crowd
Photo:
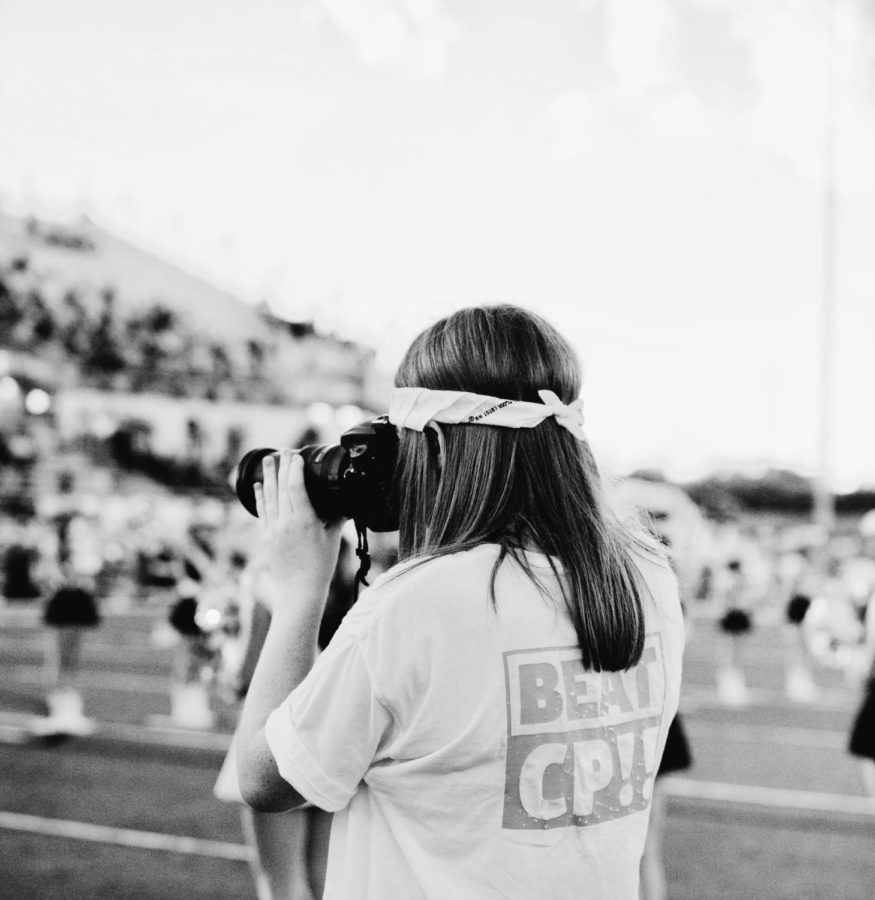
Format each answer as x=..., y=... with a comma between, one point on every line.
x=187, y=559
x=193, y=562
x=189, y=553
x=790, y=575
x=152, y=349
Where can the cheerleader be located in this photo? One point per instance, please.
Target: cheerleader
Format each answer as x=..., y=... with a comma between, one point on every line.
x=71, y=611
x=290, y=849
x=735, y=625
x=193, y=651
x=19, y=559
x=862, y=738
x=676, y=757
x=834, y=624
x=797, y=578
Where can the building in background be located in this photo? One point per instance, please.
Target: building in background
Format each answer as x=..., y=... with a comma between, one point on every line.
x=127, y=344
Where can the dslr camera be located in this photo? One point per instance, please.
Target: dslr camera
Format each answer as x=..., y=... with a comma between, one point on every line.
x=354, y=479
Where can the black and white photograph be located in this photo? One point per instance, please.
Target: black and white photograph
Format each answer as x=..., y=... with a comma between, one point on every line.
x=437, y=451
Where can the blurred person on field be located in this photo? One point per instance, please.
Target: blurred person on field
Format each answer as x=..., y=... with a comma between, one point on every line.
x=290, y=850
x=676, y=757
x=734, y=594
x=862, y=738
x=834, y=622
x=74, y=561
x=199, y=573
x=490, y=715
x=19, y=550
x=796, y=583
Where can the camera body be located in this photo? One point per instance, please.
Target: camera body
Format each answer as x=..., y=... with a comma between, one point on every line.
x=354, y=479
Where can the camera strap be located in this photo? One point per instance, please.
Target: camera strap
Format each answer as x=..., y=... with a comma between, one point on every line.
x=363, y=553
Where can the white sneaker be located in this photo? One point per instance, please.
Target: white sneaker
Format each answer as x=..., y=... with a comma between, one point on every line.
x=65, y=715
x=799, y=685
x=731, y=687
x=190, y=706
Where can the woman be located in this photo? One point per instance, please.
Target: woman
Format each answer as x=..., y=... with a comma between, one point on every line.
x=862, y=740
x=289, y=851
x=199, y=572
x=488, y=719
x=71, y=610
x=735, y=626
x=676, y=757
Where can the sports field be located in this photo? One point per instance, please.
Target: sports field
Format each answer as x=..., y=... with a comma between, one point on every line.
x=773, y=806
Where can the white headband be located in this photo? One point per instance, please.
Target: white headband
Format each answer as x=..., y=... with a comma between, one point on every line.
x=416, y=407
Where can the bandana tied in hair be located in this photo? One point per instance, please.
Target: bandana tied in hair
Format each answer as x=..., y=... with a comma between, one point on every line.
x=416, y=407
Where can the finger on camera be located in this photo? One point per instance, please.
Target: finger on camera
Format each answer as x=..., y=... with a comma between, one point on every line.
x=269, y=487
x=295, y=489
x=259, y=500
x=282, y=479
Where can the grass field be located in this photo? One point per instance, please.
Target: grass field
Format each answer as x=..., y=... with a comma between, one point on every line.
x=772, y=808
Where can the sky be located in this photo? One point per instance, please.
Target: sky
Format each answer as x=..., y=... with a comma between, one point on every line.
x=647, y=174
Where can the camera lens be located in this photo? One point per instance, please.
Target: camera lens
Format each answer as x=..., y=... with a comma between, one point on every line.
x=323, y=473
x=324, y=468
x=354, y=479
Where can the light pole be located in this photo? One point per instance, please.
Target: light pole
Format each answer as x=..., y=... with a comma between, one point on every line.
x=824, y=501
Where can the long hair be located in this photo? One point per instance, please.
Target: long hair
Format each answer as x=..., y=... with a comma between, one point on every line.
x=528, y=488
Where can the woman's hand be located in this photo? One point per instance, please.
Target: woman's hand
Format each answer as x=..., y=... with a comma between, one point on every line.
x=302, y=553
x=301, y=549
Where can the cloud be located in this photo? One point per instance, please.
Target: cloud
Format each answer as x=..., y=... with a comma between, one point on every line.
x=641, y=45
x=791, y=51
x=779, y=81
x=576, y=120
x=410, y=35
x=644, y=81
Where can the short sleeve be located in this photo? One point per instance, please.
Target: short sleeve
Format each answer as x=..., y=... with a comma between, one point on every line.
x=327, y=733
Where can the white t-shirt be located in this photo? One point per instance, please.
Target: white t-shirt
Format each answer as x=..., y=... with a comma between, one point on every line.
x=464, y=748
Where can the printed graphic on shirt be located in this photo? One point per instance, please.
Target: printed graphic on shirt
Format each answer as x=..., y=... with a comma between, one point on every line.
x=581, y=746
